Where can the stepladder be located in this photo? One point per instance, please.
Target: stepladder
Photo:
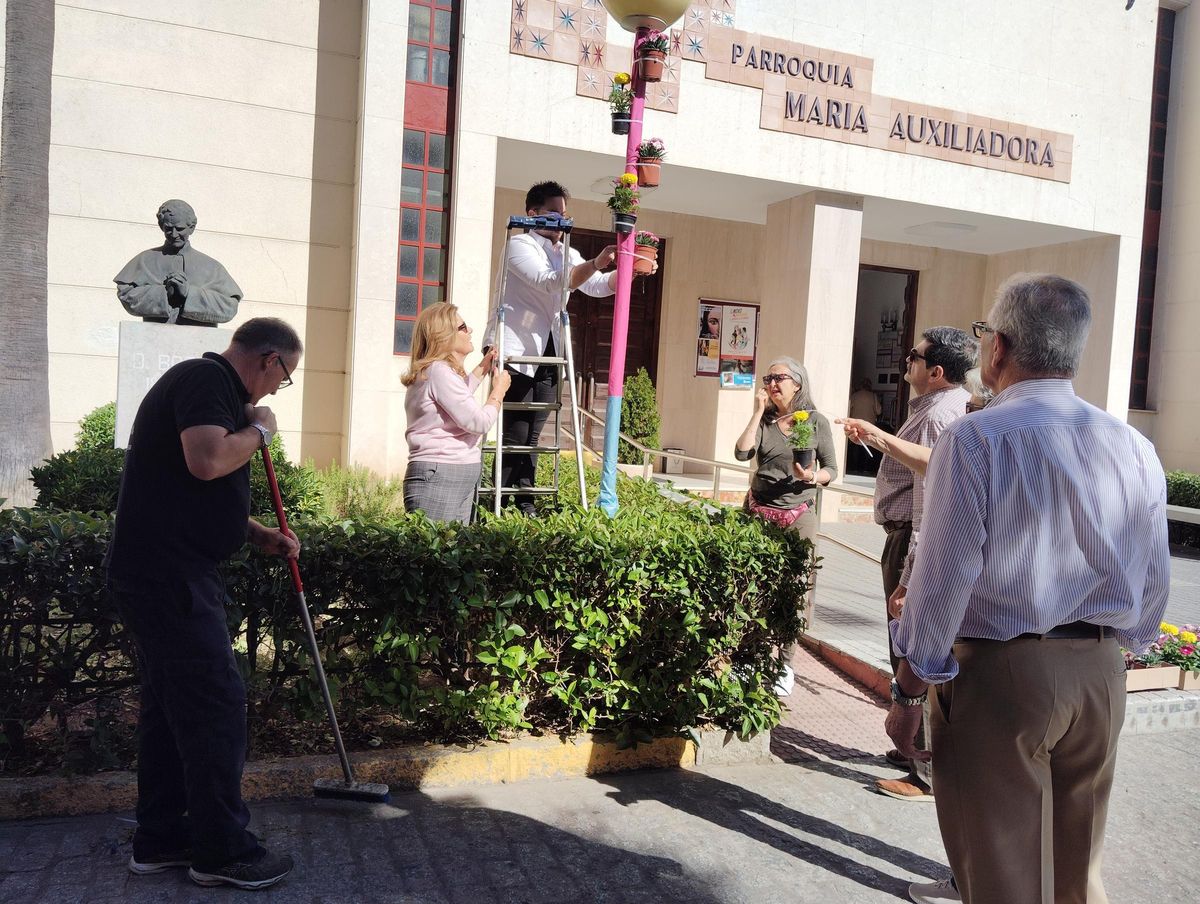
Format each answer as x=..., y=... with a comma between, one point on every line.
x=561, y=360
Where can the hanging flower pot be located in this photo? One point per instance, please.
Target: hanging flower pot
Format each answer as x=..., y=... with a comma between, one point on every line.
x=650, y=155
x=645, y=249
x=620, y=101
x=624, y=203
x=651, y=55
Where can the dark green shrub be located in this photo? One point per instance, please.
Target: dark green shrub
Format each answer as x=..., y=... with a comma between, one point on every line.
x=639, y=417
x=662, y=618
x=81, y=480
x=98, y=430
x=88, y=480
x=1183, y=489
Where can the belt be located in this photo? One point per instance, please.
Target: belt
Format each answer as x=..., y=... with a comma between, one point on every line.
x=1074, y=630
x=893, y=526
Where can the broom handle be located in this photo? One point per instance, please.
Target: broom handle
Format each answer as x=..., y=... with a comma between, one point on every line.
x=298, y=585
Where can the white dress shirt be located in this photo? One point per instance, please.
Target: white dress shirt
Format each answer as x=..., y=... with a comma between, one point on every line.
x=533, y=296
x=1041, y=510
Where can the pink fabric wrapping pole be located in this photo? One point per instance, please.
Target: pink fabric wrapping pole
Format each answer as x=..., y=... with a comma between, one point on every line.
x=625, y=253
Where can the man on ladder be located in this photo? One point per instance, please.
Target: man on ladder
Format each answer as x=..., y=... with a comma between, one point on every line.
x=532, y=299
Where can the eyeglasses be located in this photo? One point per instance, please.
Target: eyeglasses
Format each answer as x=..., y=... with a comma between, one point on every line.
x=463, y=328
x=287, y=377
x=914, y=355
x=979, y=327
x=775, y=378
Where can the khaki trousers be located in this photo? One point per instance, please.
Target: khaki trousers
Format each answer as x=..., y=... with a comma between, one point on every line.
x=895, y=551
x=1024, y=745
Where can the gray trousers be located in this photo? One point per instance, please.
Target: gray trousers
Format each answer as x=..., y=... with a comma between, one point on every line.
x=444, y=491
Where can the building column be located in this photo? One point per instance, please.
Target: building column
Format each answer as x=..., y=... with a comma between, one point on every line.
x=810, y=291
x=371, y=368
x=1176, y=340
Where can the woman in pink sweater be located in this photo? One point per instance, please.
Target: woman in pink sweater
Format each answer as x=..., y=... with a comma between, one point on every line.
x=445, y=422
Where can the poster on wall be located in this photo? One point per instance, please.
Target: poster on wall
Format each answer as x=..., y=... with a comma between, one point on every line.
x=726, y=342
x=708, y=339
x=739, y=340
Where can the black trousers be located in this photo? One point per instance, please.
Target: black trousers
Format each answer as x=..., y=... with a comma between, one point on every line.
x=192, y=726
x=522, y=428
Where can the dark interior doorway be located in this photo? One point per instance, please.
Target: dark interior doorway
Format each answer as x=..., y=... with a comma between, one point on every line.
x=884, y=321
x=592, y=324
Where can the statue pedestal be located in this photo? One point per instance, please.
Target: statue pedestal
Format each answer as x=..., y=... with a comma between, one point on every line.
x=145, y=351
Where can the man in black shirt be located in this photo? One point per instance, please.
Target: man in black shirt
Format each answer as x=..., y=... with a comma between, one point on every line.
x=184, y=507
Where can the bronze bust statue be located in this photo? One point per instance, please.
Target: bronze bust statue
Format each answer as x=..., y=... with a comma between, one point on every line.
x=176, y=283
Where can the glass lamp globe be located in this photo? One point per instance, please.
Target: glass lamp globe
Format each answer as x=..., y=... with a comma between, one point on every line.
x=656, y=14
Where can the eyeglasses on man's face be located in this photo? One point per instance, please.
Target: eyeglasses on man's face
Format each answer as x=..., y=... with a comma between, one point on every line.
x=287, y=376
x=775, y=378
x=914, y=355
x=979, y=327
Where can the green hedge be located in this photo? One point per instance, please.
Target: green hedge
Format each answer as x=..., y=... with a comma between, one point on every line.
x=660, y=619
x=1183, y=489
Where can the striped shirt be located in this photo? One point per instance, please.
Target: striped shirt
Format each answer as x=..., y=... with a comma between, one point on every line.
x=896, y=487
x=1043, y=510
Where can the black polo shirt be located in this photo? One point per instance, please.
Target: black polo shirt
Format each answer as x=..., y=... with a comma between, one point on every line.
x=170, y=523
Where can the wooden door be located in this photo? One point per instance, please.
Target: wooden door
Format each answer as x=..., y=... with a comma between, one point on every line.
x=592, y=321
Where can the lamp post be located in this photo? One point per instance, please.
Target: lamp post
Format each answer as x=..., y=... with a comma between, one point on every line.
x=639, y=17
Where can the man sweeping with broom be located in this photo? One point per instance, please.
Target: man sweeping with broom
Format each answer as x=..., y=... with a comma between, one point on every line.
x=184, y=507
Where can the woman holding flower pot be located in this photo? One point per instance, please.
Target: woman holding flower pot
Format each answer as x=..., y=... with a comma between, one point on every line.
x=793, y=447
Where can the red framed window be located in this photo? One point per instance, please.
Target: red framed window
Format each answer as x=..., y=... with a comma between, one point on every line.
x=425, y=178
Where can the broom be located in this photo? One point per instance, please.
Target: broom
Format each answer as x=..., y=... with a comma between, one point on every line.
x=348, y=788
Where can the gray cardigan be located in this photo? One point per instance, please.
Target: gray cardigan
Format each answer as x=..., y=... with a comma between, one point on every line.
x=774, y=483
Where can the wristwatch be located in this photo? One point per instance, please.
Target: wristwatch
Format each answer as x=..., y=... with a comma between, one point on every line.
x=898, y=696
x=263, y=432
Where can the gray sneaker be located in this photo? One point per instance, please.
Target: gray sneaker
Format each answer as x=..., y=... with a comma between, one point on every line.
x=939, y=892
x=262, y=873
x=144, y=866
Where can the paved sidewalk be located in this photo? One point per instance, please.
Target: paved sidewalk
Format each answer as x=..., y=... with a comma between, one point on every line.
x=804, y=830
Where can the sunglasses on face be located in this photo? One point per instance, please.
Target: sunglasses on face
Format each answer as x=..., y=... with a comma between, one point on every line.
x=774, y=378
x=979, y=327
x=287, y=377
x=914, y=355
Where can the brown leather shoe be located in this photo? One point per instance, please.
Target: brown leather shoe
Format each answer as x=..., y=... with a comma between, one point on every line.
x=902, y=790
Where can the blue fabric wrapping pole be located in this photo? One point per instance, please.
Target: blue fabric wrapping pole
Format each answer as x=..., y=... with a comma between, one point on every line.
x=608, y=474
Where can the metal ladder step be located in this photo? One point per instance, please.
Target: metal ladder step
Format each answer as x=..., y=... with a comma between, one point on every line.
x=533, y=406
x=535, y=359
x=522, y=491
x=521, y=449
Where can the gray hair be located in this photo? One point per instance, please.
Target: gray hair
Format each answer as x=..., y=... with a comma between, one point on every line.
x=177, y=207
x=802, y=400
x=1044, y=320
x=264, y=335
x=974, y=385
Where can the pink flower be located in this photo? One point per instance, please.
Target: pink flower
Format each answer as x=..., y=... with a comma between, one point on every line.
x=1187, y=649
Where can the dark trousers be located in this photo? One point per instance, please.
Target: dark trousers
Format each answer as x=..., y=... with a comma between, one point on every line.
x=895, y=550
x=192, y=725
x=522, y=428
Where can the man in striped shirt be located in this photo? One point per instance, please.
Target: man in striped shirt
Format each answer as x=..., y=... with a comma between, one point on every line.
x=1044, y=545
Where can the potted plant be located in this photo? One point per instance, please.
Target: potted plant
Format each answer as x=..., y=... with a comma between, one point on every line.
x=624, y=203
x=620, y=100
x=1166, y=662
x=650, y=154
x=800, y=438
x=645, y=252
x=651, y=54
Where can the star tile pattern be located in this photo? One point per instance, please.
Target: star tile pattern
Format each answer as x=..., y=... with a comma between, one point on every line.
x=575, y=32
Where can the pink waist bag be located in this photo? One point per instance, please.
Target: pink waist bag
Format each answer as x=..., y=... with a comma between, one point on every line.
x=782, y=517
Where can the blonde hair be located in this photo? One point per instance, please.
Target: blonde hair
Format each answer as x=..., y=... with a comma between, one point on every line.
x=433, y=340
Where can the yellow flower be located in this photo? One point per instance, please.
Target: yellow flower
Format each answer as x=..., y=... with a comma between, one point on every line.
x=628, y=179
x=621, y=78
x=1187, y=636
x=1169, y=629
x=800, y=417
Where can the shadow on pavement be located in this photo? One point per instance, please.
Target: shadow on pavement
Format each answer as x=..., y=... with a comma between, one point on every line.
x=737, y=809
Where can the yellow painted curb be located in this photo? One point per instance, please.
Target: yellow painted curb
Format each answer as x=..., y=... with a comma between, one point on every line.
x=419, y=766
